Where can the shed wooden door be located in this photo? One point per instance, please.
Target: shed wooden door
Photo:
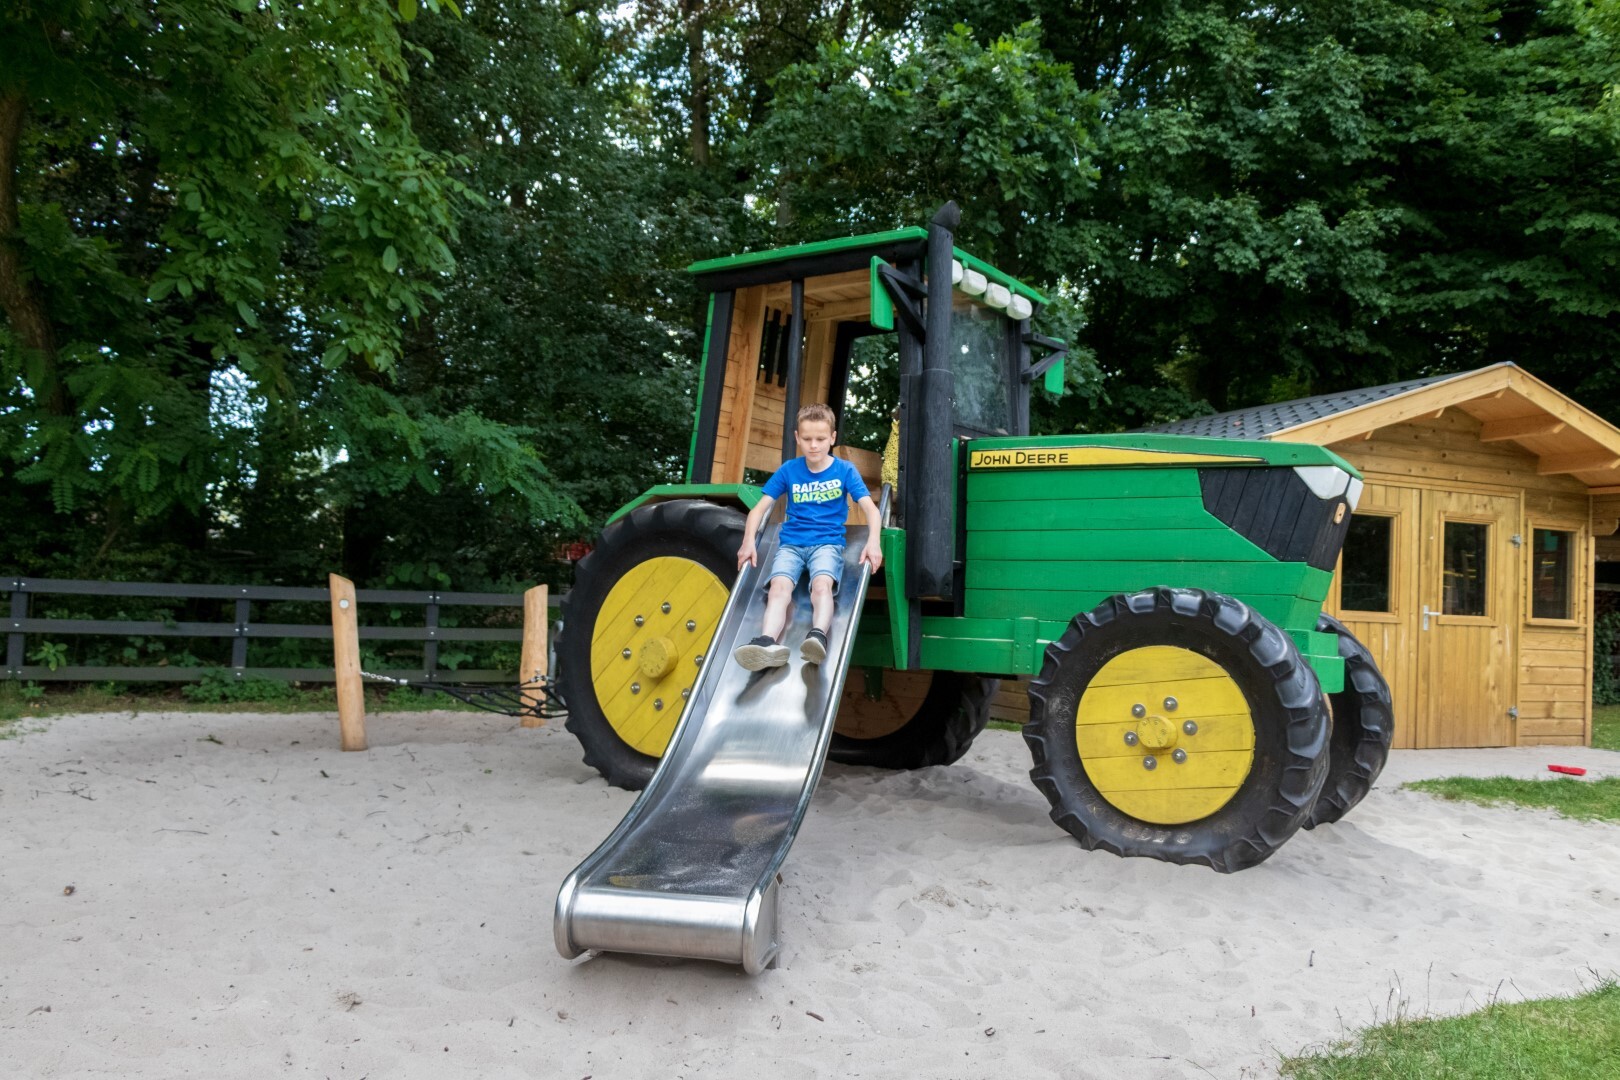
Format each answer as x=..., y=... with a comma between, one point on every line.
x=1380, y=607
x=1467, y=640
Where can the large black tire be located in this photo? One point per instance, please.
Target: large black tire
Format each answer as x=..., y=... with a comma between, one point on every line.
x=1269, y=800
x=1363, y=728
x=702, y=532
x=935, y=730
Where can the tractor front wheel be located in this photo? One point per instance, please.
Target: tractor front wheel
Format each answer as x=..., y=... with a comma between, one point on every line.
x=1363, y=728
x=1179, y=725
x=643, y=610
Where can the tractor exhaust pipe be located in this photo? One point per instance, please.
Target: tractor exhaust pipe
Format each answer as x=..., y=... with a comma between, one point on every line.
x=931, y=493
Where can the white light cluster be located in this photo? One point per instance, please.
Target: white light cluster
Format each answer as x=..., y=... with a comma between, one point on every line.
x=974, y=283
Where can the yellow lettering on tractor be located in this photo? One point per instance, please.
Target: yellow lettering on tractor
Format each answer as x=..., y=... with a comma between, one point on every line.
x=1080, y=457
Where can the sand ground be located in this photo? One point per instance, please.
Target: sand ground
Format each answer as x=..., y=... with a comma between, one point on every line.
x=231, y=896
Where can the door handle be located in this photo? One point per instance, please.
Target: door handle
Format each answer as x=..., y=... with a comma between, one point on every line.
x=1427, y=611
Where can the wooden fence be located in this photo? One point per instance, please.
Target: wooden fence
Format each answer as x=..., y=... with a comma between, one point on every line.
x=20, y=626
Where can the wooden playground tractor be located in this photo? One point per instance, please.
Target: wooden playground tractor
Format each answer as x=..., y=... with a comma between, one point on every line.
x=1162, y=593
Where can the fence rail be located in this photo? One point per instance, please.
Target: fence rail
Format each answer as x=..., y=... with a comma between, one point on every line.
x=242, y=629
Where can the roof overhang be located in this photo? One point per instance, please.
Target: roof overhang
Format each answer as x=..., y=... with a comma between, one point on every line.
x=1511, y=405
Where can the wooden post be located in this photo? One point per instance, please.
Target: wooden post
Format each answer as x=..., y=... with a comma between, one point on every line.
x=346, y=661
x=536, y=619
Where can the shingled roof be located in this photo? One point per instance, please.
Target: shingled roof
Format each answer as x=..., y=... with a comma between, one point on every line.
x=1263, y=421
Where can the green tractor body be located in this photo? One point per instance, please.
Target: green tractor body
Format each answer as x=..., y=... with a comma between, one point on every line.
x=1162, y=593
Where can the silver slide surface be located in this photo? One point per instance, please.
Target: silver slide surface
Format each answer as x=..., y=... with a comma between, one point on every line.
x=691, y=870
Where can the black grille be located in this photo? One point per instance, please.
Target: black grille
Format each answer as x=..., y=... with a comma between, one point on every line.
x=1276, y=511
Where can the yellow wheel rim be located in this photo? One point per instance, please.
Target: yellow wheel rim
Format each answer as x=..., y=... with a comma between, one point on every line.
x=1165, y=734
x=650, y=636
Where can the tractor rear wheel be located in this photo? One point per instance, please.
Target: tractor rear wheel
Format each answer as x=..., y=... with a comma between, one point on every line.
x=644, y=607
x=909, y=719
x=1363, y=728
x=1180, y=725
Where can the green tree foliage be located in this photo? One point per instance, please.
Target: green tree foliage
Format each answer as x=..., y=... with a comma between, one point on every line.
x=215, y=224
x=292, y=287
x=1317, y=196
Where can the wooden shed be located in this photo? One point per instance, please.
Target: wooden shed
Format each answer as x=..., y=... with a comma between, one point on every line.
x=1468, y=567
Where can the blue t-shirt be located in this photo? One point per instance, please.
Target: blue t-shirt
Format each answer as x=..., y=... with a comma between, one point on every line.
x=816, y=510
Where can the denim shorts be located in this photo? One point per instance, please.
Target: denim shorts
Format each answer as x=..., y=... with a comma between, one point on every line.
x=791, y=560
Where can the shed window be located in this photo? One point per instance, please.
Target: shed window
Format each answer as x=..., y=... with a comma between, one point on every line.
x=1550, y=574
x=1364, y=582
x=1465, y=568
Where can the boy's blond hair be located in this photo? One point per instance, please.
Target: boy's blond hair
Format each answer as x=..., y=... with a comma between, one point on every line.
x=816, y=411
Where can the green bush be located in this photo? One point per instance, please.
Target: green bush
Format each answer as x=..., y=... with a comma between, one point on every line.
x=1605, y=635
x=219, y=687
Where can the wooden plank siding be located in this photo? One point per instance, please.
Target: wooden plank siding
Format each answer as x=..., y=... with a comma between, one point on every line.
x=1548, y=663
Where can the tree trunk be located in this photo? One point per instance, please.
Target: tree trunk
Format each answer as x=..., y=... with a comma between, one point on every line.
x=22, y=305
x=697, y=66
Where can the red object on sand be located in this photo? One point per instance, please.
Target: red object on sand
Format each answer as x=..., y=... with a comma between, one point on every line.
x=1571, y=770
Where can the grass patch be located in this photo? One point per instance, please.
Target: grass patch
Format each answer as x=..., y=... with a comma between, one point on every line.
x=1004, y=725
x=1585, y=800
x=21, y=701
x=1606, y=727
x=1555, y=1039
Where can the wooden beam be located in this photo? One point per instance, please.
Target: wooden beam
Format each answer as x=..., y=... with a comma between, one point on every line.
x=1558, y=464
x=1609, y=489
x=742, y=360
x=351, y=692
x=839, y=310
x=1521, y=427
x=533, y=661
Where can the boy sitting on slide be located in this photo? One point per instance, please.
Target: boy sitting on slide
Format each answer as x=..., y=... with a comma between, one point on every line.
x=817, y=485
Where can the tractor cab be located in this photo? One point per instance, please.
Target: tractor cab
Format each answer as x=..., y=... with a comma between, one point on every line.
x=899, y=323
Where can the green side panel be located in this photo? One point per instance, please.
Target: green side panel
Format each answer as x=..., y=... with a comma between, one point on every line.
x=1321, y=651
x=893, y=543
x=995, y=275
x=697, y=413
x=1065, y=546
x=1054, y=378
x=1270, y=453
x=1236, y=579
x=1048, y=605
x=871, y=649
x=882, y=302
x=746, y=494
x=820, y=247
x=1040, y=485
x=1314, y=586
x=1180, y=513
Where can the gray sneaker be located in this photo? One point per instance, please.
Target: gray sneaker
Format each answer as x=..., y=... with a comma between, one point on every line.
x=814, y=649
x=761, y=653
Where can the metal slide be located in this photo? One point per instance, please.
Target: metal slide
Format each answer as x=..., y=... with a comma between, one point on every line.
x=691, y=870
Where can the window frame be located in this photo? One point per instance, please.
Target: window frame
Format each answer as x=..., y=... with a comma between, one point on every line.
x=1390, y=614
x=1575, y=533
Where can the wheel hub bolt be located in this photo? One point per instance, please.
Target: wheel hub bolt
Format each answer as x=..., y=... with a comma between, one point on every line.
x=626, y=654
x=664, y=607
x=686, y=693
x=635, y=688
x=1139, y=711
x=698, y=660
x=1131, y=738
x=1170, y=704
x=1190, y=728
x=640, y=621
x=658, y=703
x=1150, y=763
x=1180, y=756
x=690, y=625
